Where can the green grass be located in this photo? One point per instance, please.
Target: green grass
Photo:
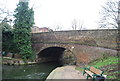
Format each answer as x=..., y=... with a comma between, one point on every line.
x=80, y=69
x=111, y=77
x=102, y=62
x=105, y=62
x=114, y=72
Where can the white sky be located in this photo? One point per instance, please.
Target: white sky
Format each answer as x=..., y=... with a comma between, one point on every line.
x=50, y=13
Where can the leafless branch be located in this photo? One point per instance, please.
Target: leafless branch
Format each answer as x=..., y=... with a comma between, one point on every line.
x=74, y=24
x=6, y=14
x=109, y=14
x=58, y=27
x=77, y=24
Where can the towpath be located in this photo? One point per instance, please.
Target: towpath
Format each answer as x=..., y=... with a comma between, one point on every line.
x=65, y=72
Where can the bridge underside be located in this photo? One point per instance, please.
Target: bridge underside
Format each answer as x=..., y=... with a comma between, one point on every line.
x=51, y=54
x=58, y=54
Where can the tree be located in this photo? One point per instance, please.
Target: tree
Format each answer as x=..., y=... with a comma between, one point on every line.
x=74, y=24
x=7, y=37
x=5, y=14
x=77, y=25
x=111, y=18
x=5, y=34
x=118, y=36
x=24, y=20
x=58, y=28
x=109, y=14
x=5, y=26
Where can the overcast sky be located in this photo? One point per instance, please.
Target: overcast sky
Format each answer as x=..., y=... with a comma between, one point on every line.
x=50, y=13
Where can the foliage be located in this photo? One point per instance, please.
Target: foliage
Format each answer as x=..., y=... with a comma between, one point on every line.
x=7, y=37
x=104, y=62
x=22, y=29
x=7, y=42
x=5, y=26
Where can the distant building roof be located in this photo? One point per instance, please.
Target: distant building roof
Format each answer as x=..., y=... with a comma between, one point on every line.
x=36, y=29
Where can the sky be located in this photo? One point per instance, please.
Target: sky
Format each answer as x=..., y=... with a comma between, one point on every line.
x=53, y=13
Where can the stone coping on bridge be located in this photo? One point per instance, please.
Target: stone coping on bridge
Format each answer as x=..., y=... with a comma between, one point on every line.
x=80, y=30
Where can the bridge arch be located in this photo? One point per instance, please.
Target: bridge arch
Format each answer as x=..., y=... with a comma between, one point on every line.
x=57, y=53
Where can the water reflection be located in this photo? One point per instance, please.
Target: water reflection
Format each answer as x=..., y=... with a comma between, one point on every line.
x=36, y=71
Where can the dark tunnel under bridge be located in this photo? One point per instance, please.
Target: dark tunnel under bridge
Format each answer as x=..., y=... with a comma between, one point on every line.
x=59, y=54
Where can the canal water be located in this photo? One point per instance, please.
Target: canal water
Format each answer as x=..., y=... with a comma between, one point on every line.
x=35, y=71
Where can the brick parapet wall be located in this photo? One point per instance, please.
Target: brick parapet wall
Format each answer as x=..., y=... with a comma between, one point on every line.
x=100, y=38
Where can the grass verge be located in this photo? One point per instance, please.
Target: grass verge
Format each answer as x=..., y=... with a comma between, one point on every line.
x=109, y=65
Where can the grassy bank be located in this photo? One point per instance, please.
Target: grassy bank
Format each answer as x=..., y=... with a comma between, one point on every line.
x=108, y=64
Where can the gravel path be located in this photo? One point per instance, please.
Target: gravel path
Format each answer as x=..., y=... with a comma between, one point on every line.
x=66, y=72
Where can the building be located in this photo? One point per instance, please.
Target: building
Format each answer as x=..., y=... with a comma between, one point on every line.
x=36, y=29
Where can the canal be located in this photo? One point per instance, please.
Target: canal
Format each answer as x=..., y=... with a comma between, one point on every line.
x=36, y=71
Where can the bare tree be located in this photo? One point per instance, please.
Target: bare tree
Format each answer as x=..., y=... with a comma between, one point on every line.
x=118, y=15
x=81, y=25
x=77, y=25
x=118, y=35
x=58, y=27
x=74, y=24
x=5, y=14
x=111, y=19
x=109, y=14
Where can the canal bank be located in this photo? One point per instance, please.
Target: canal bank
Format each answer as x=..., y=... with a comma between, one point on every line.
x=65, y=72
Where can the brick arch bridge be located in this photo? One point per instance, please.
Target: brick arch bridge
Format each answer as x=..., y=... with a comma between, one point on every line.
x=86, y=45
x=55, y=52
x=45, y=46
